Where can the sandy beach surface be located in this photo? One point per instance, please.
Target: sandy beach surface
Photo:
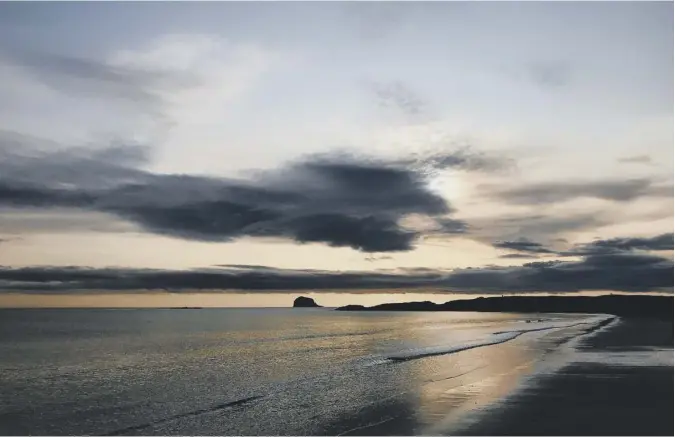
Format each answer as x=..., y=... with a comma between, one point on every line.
x=620, y=383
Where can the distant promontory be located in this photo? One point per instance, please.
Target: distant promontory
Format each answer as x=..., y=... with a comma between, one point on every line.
x=305, y=302
x=621, y=305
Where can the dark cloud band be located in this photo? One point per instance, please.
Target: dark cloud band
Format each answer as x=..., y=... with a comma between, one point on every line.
x=526, y=248
x=607, y=272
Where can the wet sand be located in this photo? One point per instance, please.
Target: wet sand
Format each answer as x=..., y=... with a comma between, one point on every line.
x=621, y=384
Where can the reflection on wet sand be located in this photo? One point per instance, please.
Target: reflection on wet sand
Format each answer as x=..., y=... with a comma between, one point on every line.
x=446, y=390
x=427, y=396
x=466, y=381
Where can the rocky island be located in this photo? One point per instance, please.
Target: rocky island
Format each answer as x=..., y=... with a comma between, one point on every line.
x=305, y=302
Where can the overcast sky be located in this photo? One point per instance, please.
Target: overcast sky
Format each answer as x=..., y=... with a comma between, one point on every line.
x=269, y=146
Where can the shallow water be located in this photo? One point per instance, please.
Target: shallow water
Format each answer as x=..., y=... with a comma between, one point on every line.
x=264, y=371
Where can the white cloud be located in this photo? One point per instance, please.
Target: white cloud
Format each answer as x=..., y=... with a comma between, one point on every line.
x=174, y=92
x=219, y=74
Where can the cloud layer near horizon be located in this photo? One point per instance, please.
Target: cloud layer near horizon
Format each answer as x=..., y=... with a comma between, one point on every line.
x=631, y=272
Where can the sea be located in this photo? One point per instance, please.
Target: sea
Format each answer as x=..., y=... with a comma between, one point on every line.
x=268, y=371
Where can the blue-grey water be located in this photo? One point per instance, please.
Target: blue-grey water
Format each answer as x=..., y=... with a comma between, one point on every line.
x=264, y=371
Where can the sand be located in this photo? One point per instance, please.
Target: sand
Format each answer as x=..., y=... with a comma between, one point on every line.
x=622, y=384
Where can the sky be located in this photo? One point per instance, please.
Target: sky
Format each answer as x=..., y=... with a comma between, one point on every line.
x=159, y=152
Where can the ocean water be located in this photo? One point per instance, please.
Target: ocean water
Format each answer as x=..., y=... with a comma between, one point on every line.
x=266, y=371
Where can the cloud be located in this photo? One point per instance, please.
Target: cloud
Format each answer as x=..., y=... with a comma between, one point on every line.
x=168, y=88
x=152, y=74
x=250, y=278
x=612, y=246
x=399, y=96
x=534, y=226
x=451, y=226
x=558, y=192
x=28, y=161
x=367, y=234
x=464, y=158
x=339, y=200
x=34, y=221
x=517, y=256
x=371, y=258
x=522, y=245
x=661, y=242
x=615, y=272
x=99, y=78
x=636, y=159
x=213, y=71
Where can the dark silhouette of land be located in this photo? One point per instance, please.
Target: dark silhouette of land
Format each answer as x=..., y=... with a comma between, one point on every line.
x=305, y=302
x=660, y=307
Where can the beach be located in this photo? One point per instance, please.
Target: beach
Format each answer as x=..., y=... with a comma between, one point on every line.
x=321, y=372
x=620, y=383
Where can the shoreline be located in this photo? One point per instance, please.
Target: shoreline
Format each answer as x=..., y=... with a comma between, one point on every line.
x=618, y=382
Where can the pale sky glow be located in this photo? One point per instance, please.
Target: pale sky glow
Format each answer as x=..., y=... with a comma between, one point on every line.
x=550, y=123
